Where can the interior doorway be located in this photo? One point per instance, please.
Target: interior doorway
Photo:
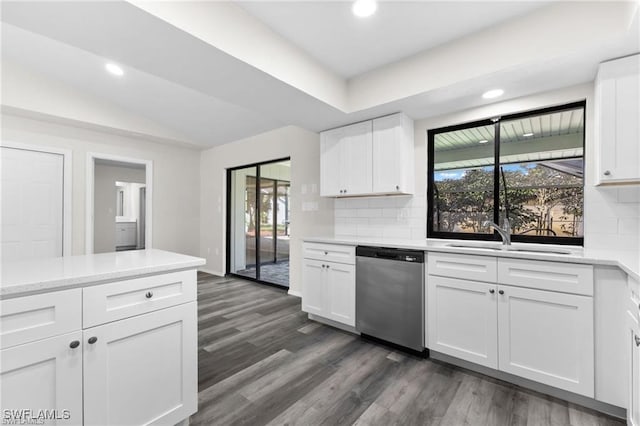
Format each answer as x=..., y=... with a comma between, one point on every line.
x=118, y=204
x=259, y=221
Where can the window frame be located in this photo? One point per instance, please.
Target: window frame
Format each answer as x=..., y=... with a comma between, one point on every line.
x=536, y=239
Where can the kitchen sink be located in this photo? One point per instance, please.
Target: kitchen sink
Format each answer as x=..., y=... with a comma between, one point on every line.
x=541, y=250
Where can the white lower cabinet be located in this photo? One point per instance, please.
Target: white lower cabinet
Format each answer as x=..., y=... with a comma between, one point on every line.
x=462, y=319
x=329, y=290
x=633, y=350
x=547, y=337
x=540, y=335
x=139, y=371
x=314, y=292
x=135, y=366
x=43, y=378
x=341, y=293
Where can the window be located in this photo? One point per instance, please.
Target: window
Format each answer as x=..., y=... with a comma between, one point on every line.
x=528, y=167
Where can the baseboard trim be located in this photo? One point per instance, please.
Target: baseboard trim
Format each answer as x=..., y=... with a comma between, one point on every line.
x=584, y=401
x=209, y=271
x=334, y=324
x=294, y=293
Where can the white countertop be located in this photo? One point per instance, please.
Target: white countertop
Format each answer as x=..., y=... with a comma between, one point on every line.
x=626, y=260
x=38, y=276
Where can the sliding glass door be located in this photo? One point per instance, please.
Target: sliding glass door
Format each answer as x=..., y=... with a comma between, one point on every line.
x=258, y=222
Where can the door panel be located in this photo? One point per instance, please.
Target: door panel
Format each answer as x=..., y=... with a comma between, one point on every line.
x=26, y=369
x=32, y=204
x=314, y=292
x=462, y=319
x=134, y=358
x=356, y=150
x=547, y=337
x=341, y=289
x=633, y=348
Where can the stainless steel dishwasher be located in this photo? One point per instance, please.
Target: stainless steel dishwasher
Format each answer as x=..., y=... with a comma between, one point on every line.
x=390, y=295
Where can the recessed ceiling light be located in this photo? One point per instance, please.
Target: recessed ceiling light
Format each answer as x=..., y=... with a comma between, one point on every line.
x=483, y=141
x=364, y=8
x=114, y=69
x=493, y=93
x=526, y=135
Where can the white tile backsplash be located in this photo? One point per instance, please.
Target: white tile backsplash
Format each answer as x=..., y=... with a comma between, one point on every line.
x=612, y=218
x=392, y=217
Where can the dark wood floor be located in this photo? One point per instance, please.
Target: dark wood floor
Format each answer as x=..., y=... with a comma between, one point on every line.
x=261, y=361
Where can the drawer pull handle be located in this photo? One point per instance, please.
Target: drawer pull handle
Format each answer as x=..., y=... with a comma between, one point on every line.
x=74, y=344
x=92, y=340
x=501, y=291
x=149, y=295
x=637, y=339
x=607, y=173
x=492, y=291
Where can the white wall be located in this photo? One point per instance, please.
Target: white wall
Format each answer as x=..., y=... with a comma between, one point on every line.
x=104, y=202
x=176, y=179
x=310, y=214
x=612, y=215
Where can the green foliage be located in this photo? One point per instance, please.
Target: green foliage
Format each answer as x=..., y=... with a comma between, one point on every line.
x=533, y=193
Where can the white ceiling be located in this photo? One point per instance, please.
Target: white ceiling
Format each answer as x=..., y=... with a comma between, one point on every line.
x=349, y=46
x=273, y=62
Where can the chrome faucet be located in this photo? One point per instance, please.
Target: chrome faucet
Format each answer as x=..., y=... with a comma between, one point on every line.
x=505, y=231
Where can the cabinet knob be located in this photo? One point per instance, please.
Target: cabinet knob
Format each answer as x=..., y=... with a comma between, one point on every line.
x=492, y=291
x=607, y=173
x=637, y=339
x=149, y=295
x=326, y=253
x=92, y=340
x=345, y=191
x=501, y=291
x=397, y=187
x=74, y=344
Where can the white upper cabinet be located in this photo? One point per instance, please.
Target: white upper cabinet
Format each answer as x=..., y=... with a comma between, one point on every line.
x=393, y=161
x=330, y=158
x=617, y=108
x=345, y=160
x=373, y=157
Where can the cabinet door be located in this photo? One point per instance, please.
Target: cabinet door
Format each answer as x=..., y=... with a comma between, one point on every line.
x=618, y=108
x=393, y=155
x=142, y=370
x=43, y=375
x=547, y=337
x=355, y=159
x=633, y=350
x=330, y=159
x=340, y=281
x=462, y=319
x=314, y=291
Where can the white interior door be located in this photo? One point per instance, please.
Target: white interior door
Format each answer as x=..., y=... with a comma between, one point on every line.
x=31, y=186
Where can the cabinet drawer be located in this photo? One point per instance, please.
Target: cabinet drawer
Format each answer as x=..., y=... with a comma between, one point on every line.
x=469, y=267
x=554, y=276
x=123, y=299
x=330, y=252
x=30, y=318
